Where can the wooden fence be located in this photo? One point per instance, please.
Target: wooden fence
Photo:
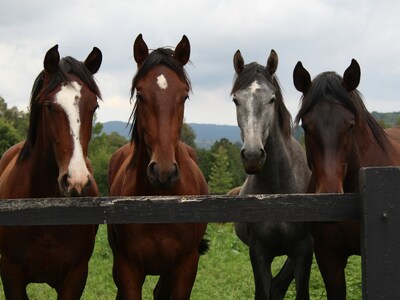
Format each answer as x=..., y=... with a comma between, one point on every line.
x=377, y=207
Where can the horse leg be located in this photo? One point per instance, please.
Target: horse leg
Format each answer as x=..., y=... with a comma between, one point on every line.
x=163, y=289
x=302, y=272
x=184, y=277
x=332, y=266
x=281, y=282
x=73, y=284
x=261, y=264
x=129, y=281
x=14, y=285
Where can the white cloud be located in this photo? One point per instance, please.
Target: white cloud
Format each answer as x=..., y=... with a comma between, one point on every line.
x=324, y=35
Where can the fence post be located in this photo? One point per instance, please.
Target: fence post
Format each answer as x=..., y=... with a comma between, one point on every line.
x=380, y=233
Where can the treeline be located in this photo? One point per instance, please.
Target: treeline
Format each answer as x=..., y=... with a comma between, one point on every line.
x=221, y=165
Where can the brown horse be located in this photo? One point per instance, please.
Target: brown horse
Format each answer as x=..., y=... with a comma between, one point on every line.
x=157, y=163
x=52, y=162
x=341, y=136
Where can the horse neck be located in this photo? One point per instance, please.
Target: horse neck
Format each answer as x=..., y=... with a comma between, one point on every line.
x=366, y=152
x=42, y=172
x=278, y=173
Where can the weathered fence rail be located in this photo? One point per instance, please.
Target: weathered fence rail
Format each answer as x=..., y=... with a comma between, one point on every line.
x=377, y=207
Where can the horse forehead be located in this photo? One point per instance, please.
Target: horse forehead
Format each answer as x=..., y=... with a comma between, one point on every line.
x=256, y=90
x=328, y=115
x=162, y=78
x=68, y=97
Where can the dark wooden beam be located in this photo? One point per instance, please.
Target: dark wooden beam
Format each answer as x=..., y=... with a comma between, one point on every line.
x=173, y=209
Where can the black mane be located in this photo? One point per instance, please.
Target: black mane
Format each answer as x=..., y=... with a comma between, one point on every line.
x=160, y=56
x=68, y=66
x=255, y=71
x=328, y=86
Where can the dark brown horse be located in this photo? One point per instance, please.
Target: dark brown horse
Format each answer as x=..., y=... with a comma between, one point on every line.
x=157, y=163
x=52, y=162
x=341, y=136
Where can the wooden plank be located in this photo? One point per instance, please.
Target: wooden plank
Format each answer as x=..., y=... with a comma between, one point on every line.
x=380, y=250
x=173, y=209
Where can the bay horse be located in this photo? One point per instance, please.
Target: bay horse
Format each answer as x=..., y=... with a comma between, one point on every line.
x=155, y=163
x=52, y=162
x=275, y=163
x=341, y=136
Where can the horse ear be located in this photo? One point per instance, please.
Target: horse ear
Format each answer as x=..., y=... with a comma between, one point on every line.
x=301, y=78
x=93, y=61
x=140, y=50
x=351, y=77
x=52, y=60
x=182, y=51
x=238, y=62
x=272, y=62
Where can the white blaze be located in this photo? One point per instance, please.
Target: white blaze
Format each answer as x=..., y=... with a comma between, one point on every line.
x=254, y=86
x=68, y=98
x=162, y=82
x=251, y=119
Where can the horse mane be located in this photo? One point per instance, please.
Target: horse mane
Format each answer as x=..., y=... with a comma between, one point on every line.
x=255, y=71
x=160, y=56
x=68, y=66
x=328, y=86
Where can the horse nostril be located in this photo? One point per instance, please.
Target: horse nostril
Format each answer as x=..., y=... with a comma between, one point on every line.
x=262, y=153
x=153, y=170
x=242, y=155
x=175, y=173
x=64, y=182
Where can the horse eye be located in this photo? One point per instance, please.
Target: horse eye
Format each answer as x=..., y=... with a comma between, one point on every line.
x=272, y=99
x=235, y=101
x=49, y=105
x=96, y=107
x=186, y=98
x=352, y=124
x=139, y=97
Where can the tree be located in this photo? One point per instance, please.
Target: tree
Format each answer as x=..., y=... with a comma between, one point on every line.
x=9, y=136
x=235, y=164
x=101, y=147
x=188, y=135
x=13, y=125
x=220, y=177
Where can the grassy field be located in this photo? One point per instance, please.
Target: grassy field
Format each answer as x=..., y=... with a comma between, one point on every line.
x=224, y=273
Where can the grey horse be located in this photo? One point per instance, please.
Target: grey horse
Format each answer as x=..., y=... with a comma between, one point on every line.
x=276, y=164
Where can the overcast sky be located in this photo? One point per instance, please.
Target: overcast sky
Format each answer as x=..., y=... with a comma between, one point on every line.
x=324, y=35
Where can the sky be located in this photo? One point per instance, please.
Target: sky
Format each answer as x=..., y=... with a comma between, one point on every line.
x=324, y=35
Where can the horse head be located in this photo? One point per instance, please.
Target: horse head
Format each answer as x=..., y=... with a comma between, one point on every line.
x=64, y=99
x=162, y=87
x=330, y=116
x=259, y=108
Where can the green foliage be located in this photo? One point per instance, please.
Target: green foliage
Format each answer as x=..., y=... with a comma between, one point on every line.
x=13, y=125
x=188, y=135
x=224, y=272
x=387, y=119
x=235, y=165
x=102, y=146
x=220, y=177
x=209, y=159
x=9, y=135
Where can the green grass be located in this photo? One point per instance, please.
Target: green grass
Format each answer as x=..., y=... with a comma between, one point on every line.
x=224, y=273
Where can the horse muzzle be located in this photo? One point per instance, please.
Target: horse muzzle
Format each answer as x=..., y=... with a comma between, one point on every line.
x=74, y=188
x=162, y=177
x=253, y=160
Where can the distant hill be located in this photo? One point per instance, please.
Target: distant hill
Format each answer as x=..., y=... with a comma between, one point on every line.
x=117, y=126
x=207, y=134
